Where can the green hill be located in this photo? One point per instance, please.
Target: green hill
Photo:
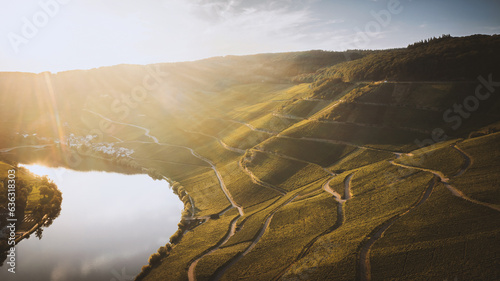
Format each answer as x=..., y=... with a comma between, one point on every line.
x=37, y=203
x=439, y=59
x=293, y=166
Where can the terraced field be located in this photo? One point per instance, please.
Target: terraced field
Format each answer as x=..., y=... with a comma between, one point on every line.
x=327, y=196
x=322, y=179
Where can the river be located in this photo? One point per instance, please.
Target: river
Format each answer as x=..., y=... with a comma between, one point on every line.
x=109, y=225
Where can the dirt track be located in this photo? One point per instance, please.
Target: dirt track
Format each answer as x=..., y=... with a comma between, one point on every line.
x=453, y=190
x=363, y=264
x=232, y=225
x=221, y=270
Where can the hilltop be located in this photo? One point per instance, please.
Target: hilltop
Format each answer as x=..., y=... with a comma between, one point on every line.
x=295, y=166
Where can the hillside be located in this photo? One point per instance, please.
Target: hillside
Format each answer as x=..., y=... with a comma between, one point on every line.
x=37, y=204
x=437, y=59
x=367, y=165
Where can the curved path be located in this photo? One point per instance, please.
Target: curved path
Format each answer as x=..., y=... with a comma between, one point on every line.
x=245, y=169
x=289, y=116
x=212, y=165
x=336, y=102
x=338, y=223
x=292, y=158
x=232, y=225
x=168, y=162
x=258, y=181
x=329, y=189
x=347, y=186
x=284, y=157
x=221, y=270
x=366, y=125
x=3, y=150
x=395, y=105
x=192, y=265
x=467, y=160
x=223, y=144
x=146, y=130
x=452, y=189
x=248, y=125
x=397, y=153
x=363, y=262
x=363, y=266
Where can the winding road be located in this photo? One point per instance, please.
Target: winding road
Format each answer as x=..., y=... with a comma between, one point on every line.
x=363, y=263
x=223, y=144
x=338, y=223
x=192, y=265
x=364, y=269
x=146, y=130
x=232, y=225
x=453, y=190
x=248, y=125
x=3, y=150
x=258, y=181
x=221, y=270
x=347, y=186
x=397, y=153
x=467, y=160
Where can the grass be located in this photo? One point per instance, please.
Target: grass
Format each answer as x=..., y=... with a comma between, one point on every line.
x=252, y=112
x=273, y=123
x=353, y=133
x=154, y=151
x=30, y=187
x=252, y=222
x=429, y=95
x=441, y=157
x=322, y=154
x=360, y=157
x=379, y=93
x=292, y=227
x=303, y=108
x=205, y=190
x=371, y=205
x=444, y=238
x=244, y=137
x=480, y=181
x=384, y=115
x=242, y=188
x=29, y=203
x=329, y=90
x=440, y=239
x=284, y=173
x=206, y=267
x=249, y=94
x=380, y=189
x=194, y=242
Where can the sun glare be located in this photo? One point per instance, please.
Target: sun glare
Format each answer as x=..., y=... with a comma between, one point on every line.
x=38, y=169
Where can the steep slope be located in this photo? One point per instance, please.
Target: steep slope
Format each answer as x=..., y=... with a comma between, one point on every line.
x=295, y=166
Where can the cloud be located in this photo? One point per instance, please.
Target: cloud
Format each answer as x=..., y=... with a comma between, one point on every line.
x=237, y=26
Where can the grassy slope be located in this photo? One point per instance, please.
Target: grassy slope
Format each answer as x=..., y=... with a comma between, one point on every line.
x=380, y=191
x=446, y=237
x=384, y=115
x=480, y=181
x=322, y=154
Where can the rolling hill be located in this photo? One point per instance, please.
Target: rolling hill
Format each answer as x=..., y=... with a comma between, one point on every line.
x=365, y=165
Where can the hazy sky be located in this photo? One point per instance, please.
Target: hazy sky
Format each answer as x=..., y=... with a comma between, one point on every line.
x=56, y=35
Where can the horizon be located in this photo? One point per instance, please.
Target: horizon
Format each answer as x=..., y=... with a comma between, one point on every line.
x=223, y=56
x=62, y=35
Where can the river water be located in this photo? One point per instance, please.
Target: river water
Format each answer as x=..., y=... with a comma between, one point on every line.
x=108, y=227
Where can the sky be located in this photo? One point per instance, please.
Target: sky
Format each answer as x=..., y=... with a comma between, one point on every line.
x=58, y=35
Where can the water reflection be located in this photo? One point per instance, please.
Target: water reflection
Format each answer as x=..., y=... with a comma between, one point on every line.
x=108, y=227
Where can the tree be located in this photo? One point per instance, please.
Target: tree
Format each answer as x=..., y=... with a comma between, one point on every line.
x=38, y=233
